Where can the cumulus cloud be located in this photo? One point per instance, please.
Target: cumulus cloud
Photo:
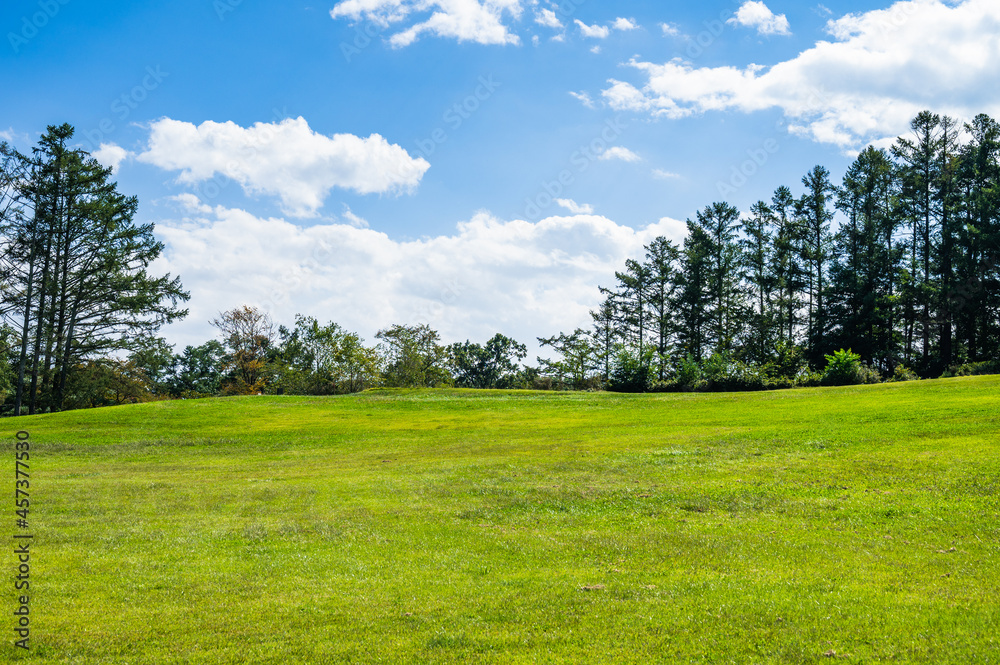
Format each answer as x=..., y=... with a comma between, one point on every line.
x=603, y=31
x=880, y=69
x=574, y=207
x=757, y=15
x=548, y=18
x=287, y=159
x=520, y=278
x=624, y=24
x=619, y=153
x=463, y=20
x=661, y=174
x=669, y=29
x=593, y=31
x=109, y=154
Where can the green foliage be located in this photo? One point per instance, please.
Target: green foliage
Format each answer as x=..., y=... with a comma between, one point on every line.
x=492, y=366
x=689, y=375
x=199, y=371
x=788, y=361
x=632, y=371
x=156, y=359
x=903, y=373
x=844, y=368
x=412, y=357
x=324, y=360
x=578, y=363
x=107, y=382
x=973, y=369
x=249, y=335
x=75, y=267
x=8, y=359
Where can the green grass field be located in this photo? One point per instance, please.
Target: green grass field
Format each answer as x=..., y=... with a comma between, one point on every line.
x=850, y=525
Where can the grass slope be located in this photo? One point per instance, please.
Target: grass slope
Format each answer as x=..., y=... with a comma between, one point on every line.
x=851, y=525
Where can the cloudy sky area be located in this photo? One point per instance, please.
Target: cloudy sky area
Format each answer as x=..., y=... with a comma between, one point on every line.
x=481, y=166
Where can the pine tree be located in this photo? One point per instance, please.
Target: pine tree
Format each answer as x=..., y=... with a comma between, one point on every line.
x=662, y=258
x=692, y=298
x=78, y=267
x=758, y=257
x=786, y=267
x=949, y=202
x=726, y=312
x=919, y=165
x=863, y=279
x=814, y=214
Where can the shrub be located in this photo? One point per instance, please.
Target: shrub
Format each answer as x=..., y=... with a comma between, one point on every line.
x=689, y=375
x=543, y=383
x=870, y=375
x=809, y=379
x=631, y=371
x=903, y=373
x=789, y=360
x=843, y=368
x=973, y=369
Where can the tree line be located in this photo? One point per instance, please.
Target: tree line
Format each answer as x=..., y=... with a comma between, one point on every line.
x=256, y=357
x=907, y=285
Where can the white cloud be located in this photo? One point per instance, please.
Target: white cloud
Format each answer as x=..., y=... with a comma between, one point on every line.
x=755, y=14
x=463, y=20
x=189, y=203
x=109, y=154
x=287, y=159
x=548, y=18
x=593, y=31
x=354, y=220
x=624, y=24
x=882, y=68
x=595, y=50
x=621, y=154
x=574, y=207
x=584, y=98
x=669, y=29
x=520, y=278
x=660, y=174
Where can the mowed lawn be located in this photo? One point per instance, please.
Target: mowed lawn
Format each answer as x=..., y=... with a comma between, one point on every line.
x=851, y=525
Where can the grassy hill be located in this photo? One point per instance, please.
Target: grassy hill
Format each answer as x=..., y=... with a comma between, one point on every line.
x=853, y=525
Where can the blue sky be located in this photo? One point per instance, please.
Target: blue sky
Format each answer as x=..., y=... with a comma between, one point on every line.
x=477, y=165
